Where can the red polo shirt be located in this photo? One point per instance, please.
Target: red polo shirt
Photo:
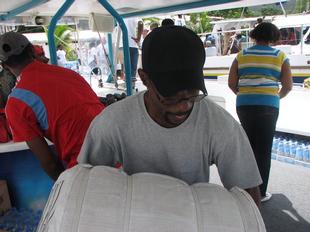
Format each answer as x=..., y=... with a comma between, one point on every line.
x=53, y=102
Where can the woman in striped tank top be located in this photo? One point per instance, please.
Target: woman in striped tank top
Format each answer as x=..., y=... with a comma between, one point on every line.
x=254, y=77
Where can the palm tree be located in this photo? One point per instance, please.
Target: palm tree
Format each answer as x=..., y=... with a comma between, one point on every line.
x=62, y=37
x=301, y=6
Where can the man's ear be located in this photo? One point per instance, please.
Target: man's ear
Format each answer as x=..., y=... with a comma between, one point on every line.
x=144, y=77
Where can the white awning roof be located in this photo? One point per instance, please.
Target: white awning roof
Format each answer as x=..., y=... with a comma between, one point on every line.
x=291, y=21
x=85, y=7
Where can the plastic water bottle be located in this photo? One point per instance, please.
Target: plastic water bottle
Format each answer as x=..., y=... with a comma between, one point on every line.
x=287, y=145
x=275, y=144
x=293, y=149
x=281, y=148
x=22, y=220
x=306, y=154
x=299, y=152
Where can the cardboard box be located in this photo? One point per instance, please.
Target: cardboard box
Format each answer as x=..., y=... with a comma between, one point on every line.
x=5, y=203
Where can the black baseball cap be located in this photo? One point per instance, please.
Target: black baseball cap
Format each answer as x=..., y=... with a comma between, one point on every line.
x=173, y=57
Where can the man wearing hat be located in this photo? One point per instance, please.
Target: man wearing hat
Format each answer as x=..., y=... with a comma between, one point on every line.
x=39, y=54
x=172, y=128
x=47, y=101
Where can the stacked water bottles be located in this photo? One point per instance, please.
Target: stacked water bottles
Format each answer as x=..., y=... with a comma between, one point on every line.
x=22, y=220
x=291, y=151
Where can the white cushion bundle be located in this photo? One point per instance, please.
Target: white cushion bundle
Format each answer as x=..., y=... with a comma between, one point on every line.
x=101, y=198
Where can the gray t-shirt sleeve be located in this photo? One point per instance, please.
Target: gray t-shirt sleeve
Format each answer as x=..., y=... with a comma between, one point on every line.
x=234, y=158
x=98, y=148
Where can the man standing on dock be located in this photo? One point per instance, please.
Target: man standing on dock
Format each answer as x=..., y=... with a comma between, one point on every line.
x=47, y=101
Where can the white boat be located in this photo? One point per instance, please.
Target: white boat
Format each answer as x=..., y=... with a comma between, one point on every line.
x=298, y=51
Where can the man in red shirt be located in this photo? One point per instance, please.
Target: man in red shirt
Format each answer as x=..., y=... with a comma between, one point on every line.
x=39, y=54
x=47, y=101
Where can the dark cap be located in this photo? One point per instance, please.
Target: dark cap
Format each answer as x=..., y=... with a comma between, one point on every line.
x=12, y=43
x=174, y=57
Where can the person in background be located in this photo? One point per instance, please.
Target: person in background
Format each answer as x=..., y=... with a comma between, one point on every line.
x=210, y=49
x=298, y=34
x=144, y=33
x=180, y=21
x=211, y=38
x=254, y=77
x=234, y=43
x=93, y=63
x=219, y=41
x=167, y=22
x=135, y=29
x=153, y=26
x=92, y=55
x=48, y=101
x=292, y=39
x=102, y=54
x=226, y=43
x=259, y=21
x=61, y=55
x=172, y=128
x=7, y=83
x=39, y=54
x=283, y=36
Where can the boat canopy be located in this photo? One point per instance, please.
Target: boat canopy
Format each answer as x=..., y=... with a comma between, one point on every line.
x=123, y=7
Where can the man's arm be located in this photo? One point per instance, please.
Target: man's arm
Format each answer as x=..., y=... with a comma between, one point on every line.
x=255, y=194
x=235, y=160
x=51, y=165
x=139, y=32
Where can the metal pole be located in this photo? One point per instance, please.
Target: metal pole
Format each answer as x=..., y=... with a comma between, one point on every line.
x=21, y=9
x=283, y=10
x=51, y=29
x=301, y=39
x=110, y=78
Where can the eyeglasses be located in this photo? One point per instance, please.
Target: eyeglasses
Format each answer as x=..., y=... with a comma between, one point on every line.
x=168, y=101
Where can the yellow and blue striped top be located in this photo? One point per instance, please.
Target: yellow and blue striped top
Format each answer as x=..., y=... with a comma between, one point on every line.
x=259, y=71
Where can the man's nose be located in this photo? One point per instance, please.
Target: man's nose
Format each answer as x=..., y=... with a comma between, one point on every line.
x=185, y=105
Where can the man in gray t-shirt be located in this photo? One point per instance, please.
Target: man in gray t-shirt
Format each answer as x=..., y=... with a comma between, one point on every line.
x=172, y=128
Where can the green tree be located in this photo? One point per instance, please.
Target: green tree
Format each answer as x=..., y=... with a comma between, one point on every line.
x=301, y=6
x=62, y=37
x=270, y=11
x=232, y=13
x=199, y=22
x=150, y=20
